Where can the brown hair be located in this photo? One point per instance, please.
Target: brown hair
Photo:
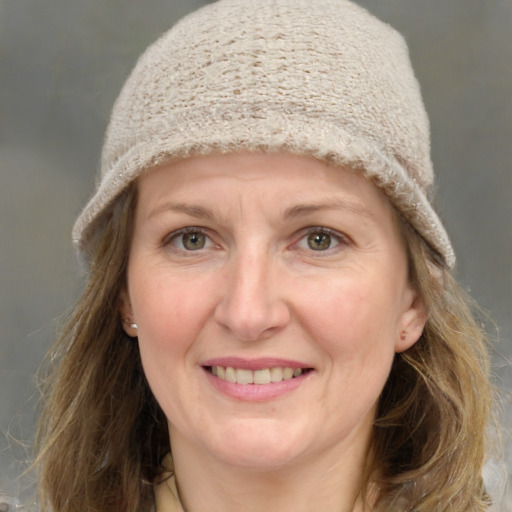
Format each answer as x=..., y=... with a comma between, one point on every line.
x=102, y=436
x=434, y=411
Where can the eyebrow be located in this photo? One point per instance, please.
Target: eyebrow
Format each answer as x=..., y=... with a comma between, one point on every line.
x=299, y=210
x=342, y=205
x=199, y=212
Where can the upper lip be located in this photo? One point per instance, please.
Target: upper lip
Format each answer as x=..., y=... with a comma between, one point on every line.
x=254, y=364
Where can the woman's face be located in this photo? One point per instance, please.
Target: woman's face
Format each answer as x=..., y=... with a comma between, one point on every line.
x=270, y=268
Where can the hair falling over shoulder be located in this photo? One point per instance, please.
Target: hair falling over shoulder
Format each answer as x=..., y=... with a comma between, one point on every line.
x=434, y=412
x=102, y=436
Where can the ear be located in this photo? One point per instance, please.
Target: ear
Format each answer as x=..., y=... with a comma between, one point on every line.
x=126, y=314
x=412, y=321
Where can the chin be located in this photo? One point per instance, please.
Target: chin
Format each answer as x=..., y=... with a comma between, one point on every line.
x=258, y=445
x=259, y=457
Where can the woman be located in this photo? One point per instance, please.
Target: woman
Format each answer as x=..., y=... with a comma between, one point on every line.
x=269, y=321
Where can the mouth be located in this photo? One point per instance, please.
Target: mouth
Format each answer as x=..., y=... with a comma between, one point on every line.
x=263, y=376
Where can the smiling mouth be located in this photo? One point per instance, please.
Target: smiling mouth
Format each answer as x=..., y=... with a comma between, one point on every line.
x=264, y=376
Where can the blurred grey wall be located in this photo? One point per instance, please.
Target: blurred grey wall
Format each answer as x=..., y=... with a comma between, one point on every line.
x=62, y=63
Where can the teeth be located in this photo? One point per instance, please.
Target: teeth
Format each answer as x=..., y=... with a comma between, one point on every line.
x=262, y=376
x=230, y=374
x=244, y=376
x=265, y=376
x=287, y=373
x=276, y=374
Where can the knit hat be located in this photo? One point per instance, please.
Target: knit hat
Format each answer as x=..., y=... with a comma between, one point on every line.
x=322, y=78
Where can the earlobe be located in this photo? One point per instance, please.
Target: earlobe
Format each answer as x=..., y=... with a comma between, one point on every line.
x=126, y=314
x=412, y=323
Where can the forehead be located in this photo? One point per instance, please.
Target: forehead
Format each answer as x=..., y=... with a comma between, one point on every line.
x=278, y=179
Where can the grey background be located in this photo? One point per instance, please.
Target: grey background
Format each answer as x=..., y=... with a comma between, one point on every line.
x=62, y=63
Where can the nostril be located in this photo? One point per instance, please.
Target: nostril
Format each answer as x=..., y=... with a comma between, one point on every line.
x=252, y=321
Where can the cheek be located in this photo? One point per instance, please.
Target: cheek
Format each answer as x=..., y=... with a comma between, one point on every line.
x=169, y=316
x=353, y=317
x=354, y=325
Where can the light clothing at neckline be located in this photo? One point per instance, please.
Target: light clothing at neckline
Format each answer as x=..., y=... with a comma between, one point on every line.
x=166, y=492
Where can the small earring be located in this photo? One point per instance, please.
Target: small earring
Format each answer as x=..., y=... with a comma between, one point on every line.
x=403, y=335
x=133, y=325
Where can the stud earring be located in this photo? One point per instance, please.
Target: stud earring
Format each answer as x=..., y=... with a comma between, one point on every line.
x=131, y=324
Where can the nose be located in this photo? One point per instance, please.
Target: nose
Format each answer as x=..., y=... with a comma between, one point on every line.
x=252, y=306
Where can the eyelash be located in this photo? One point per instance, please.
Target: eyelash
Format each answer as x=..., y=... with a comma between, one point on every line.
x=171, y=237
x=340, y=238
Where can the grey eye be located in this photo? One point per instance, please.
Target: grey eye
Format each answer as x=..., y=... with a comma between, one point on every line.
x=193, y=241
x=318, y=241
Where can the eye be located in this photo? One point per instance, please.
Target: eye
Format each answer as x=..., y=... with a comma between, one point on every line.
x=321, y=239
x=188, y=239
x=193, y=241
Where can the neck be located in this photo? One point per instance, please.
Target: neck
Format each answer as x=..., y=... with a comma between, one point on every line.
x=328, y=483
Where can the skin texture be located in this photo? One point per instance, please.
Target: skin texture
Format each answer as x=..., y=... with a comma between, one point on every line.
x=256, y=287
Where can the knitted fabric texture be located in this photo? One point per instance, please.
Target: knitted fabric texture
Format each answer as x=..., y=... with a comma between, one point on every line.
x=322, y=78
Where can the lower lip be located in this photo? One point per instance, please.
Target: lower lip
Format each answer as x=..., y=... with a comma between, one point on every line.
x=256, y=392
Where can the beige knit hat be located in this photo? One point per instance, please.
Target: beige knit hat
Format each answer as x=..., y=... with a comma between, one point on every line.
x=313, y=77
